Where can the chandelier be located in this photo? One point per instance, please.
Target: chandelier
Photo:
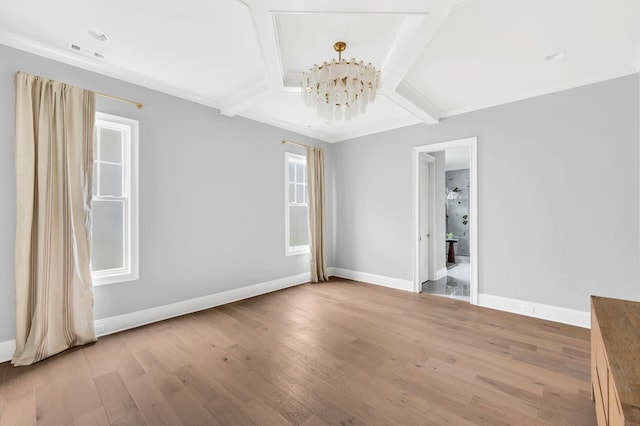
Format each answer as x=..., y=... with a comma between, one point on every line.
x=340, y=89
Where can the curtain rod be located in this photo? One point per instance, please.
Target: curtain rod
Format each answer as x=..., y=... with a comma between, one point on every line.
x=104, y=95
x=296, y=143
x=117, y=98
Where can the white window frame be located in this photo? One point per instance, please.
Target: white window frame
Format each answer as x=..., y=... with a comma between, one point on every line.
x=289, y=250
x=130, y=128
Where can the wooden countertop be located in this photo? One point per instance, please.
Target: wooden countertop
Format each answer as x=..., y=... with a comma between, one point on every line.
x=619, y=322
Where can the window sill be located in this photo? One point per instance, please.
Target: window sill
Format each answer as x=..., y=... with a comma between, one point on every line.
x=114, y=279
x=295, y=252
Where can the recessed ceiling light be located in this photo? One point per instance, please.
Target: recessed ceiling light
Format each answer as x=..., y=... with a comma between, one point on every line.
x=98, y=35
x=554, y=57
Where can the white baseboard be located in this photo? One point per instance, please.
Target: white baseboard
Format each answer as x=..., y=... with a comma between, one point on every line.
x=159, y=313
x=146, y=316
x=7, y=348
x=135, y=319
x=441, y=273
x=536, y=310
x=380, y=280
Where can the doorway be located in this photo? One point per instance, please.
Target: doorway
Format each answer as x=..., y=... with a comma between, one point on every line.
x=434, y=263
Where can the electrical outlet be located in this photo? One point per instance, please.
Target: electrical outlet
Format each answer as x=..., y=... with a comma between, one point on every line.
x=529, y=309
x=98, y=326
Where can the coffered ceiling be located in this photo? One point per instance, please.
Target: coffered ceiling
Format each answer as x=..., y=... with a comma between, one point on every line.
x=437, y=58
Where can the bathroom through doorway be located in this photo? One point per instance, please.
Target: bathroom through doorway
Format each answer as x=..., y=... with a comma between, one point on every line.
x=445, y=219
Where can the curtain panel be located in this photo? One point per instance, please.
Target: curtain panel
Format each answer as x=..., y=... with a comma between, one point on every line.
x=54, y=165
x=315, y=188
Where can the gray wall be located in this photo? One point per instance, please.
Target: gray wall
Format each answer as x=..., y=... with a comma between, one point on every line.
x=206, y=227
x=211, y=195
x=558, y=195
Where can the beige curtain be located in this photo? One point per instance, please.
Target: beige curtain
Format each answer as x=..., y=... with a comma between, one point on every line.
x=54, y=163
x=315, y=188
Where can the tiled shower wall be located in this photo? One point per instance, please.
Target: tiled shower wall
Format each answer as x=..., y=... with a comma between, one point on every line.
x=458, y=208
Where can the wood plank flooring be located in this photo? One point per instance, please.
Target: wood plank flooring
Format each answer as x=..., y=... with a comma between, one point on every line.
x=338, y=353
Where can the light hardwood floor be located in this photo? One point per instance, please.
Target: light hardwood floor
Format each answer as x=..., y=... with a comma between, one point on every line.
x=339, y=353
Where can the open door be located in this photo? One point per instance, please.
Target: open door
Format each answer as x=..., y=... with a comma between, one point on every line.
x=425, y=231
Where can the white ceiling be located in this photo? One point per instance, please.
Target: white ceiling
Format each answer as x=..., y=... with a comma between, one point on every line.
x=438, y=58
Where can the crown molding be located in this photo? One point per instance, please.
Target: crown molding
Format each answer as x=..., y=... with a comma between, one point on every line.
x=306, y=131
x=61, y=55
x=324, y=136
x=293, y=80
x=409, y=98
x=378, y=129
x=381, y=129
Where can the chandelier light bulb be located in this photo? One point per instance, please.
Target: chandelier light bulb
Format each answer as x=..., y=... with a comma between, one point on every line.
x=340, y=88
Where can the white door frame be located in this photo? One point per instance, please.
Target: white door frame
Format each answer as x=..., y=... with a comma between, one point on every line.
x=472, y=143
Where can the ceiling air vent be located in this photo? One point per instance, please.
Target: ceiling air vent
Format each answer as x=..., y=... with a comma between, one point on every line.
x=84, y=51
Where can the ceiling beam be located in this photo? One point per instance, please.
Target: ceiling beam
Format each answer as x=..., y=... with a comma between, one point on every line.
x=422, y=19
x=265, y=33
x=407, y=97
x=415, y=33
x=404, y=7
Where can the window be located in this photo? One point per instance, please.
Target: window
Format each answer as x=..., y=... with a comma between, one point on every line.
x=296, y=219
x=114, y=226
